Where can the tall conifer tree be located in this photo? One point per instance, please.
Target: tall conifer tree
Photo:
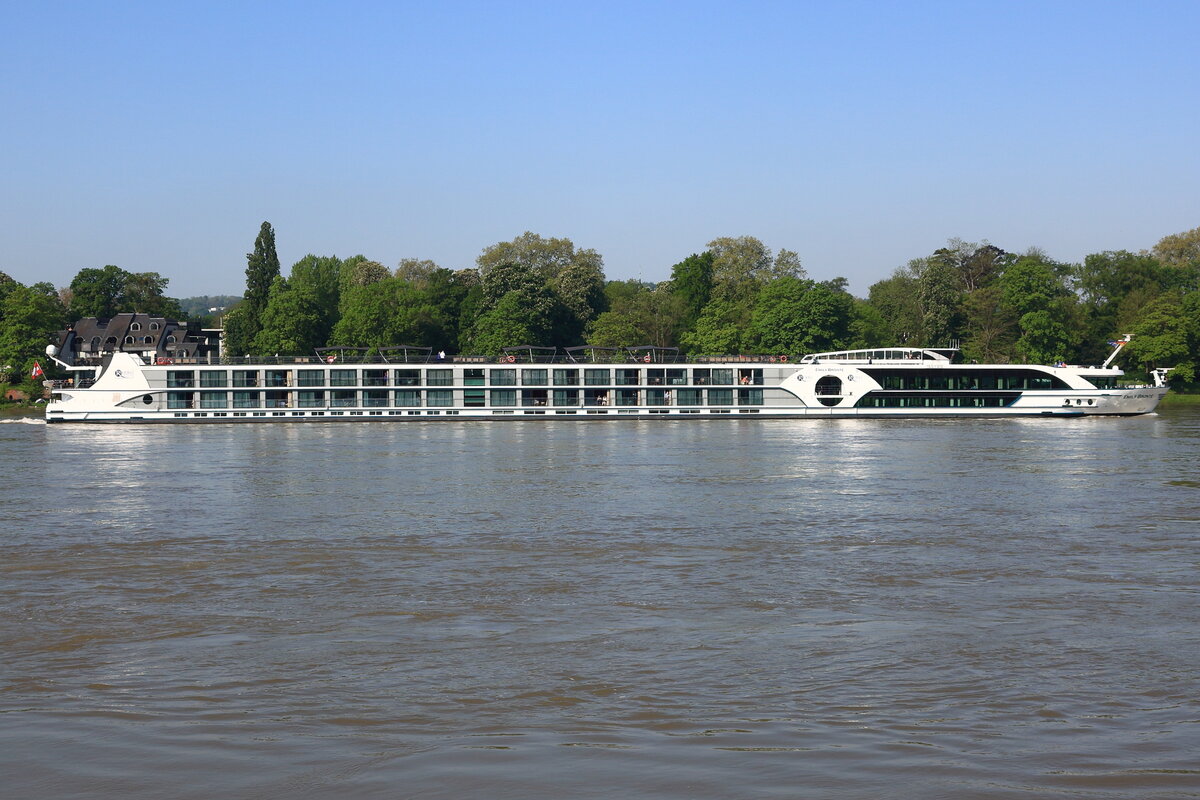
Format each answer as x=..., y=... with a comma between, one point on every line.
x=244, y=322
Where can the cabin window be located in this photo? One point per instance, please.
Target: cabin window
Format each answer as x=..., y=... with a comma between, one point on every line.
x=504, y=397
x=179, y=400
x=408, y=397
x=566, y=377
x=375, y=398
x=677, y=377
x=597, y=377
x=474, y=398
x=534, y=397
x=343, y=377
x=310, y=377
x=278, y=377
x=720, y=397
x=343, y=398
x=595, y=397
x=310, y=399
x=407, y=377
x=722, y=377
x=214, y=399
x=473, y=377
x=504, y=377
x=279, y=399
x=627, y=397
x=657, y=397
x=181, y=379
x=690, y=397
x=245, y=377
x=750, y=397
x=628, y=377
x=439, y=377
x=533, y=377
x=247, y=399
x=375, y=377
x=213, y=378
x=700, y=377
x=566, y=397
x=439, y=398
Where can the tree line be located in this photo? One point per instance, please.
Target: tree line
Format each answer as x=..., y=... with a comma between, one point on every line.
x=737, y=296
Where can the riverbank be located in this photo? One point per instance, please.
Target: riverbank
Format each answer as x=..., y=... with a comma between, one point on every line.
x=1179, y=400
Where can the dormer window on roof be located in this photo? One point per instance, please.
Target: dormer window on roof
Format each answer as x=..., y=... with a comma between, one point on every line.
x=137, y=326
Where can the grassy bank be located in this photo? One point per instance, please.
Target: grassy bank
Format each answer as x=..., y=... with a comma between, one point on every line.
x=1176, y=399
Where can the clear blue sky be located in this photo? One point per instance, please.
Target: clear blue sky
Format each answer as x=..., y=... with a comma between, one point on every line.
x=159, y=135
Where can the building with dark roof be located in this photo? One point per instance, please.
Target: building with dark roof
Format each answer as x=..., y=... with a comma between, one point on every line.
x=91, y=338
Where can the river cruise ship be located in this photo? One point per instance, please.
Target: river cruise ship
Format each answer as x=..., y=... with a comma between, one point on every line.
x=406, y=383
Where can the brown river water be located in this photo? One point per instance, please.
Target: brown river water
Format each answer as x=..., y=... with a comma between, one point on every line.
x=992, y=608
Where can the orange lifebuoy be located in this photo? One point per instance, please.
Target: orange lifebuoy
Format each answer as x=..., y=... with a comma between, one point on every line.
x=783, y=359
x=646, y=358
x=512, y=359
x=771, y=359
x=330, y=359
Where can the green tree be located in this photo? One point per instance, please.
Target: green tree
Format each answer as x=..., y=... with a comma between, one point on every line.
x=319, y=278
x=793, y=316
x=721, y=329
x=897, y=300
x=293, y=322
x=244, y=321
x=143, y=293
x=29, y=318
x=385, y=313
x=742, y=265
x=692, y=281
x=505, y=324
x=1161, y=336
x=546, y=258
x=1044, y=340
x=98, y=292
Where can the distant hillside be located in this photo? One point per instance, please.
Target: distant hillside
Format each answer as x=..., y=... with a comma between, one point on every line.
x=200, y=306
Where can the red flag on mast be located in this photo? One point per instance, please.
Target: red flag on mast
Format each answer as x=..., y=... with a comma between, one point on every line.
x=37, y=371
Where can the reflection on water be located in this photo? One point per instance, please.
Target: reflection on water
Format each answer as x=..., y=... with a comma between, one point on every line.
x=832, y=608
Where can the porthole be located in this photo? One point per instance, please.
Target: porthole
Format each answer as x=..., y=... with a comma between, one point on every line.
x=147, y=399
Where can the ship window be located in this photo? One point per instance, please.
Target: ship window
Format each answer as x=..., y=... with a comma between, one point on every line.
x=677, y=377
x=439, y=397
x=343, y=377
x=214, y=399
x=750, y=397
x=533, y=397
x=474, y=398
x=375, y=398
x=504, y=377
x=245, y=377
x=596, y=377
x=655, y=377
x=310, y=377
x=310, y=399
x=628, y=377
x=627, y=397
x=533, y=377
x=278, y=377
x=504, y=397
x=181, y=379
x=246, y=399
x=213, y=378
x=657, y=397
x=179, y=399
x=722, y=377
x=829, y=386
x=408, y=377
x=566, y=397
x=720, y=397
x=690, y=397
x=147, y=399
x=473, y=377
x=408, y=397
x=440, y=377
x=375, y=377
x=343, y=398
x=566, y=377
